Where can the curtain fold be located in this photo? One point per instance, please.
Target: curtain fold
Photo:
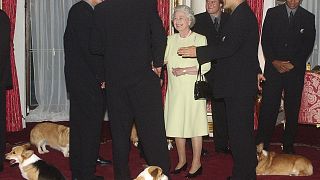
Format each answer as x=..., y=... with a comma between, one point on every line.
x=164, y=10
x=314, y=7
x=257, y=8
x=48, y=22
x=13, y=105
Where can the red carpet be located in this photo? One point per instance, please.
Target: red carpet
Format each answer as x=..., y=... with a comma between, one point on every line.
x=216, y=166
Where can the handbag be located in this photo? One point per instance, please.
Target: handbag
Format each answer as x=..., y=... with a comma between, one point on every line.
x=202, y=89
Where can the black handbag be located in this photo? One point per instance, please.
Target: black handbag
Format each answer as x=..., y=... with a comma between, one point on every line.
x=202, y=89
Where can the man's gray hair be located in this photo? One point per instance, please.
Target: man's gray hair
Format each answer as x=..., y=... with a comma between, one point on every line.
x=188, y=11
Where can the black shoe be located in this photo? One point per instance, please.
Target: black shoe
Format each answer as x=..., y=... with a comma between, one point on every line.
x=288, y=150
x=98, y=178
x=1, y=168
x=223, y=151
x=183, y=168
x=195, y=174
x=103, y=162
x=229, y=178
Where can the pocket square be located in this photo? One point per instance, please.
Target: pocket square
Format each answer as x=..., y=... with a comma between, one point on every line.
x=301, y=31
x=223, y=38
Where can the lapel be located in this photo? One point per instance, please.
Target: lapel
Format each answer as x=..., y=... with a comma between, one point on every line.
x=208, y=21
x=284, y=15
x=298, y=18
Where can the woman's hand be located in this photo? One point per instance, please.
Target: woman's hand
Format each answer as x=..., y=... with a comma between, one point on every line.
x=179, y=71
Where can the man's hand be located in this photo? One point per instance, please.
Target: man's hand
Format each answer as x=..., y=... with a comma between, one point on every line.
x=261, y=79
x=282, y=66
x=189, y=52
x=157, y=70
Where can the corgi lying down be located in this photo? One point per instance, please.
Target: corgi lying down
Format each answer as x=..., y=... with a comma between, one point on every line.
x=31, y=166
x=152, y=173
x=271, y=163
x=54, y=135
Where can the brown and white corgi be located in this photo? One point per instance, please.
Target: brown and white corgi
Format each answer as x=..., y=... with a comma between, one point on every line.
x=271, y=163
x=31, y=166
x=152, y=173
x=54, y=135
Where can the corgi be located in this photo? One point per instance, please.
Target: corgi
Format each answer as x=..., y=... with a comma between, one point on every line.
x=271, y=163
x=135, y=140
x=54, y=135
x=152, y=173
x=31, y=166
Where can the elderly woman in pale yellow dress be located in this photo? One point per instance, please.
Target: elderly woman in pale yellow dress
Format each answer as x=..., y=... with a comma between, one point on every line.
x=185, y=117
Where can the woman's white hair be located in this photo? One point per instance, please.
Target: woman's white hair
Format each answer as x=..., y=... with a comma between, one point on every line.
x=188, y=11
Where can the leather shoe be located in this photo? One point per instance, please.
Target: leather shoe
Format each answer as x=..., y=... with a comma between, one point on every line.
x=98, y=178
x=183, y=168
x=103, y=162
x=195, y=174
x=223, y=151
x=288, y=150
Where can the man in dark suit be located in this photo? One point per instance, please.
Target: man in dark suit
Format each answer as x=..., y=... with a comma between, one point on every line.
x=235, y=74
x=287, y=40
x=84, y=75
x=5, y=78
x=210, y=24
x=131, y=36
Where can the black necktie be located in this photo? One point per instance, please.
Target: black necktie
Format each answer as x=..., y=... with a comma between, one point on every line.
x=216, y=24
x=291, y=17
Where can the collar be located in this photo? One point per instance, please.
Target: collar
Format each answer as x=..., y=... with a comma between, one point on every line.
x=87, y=1
x=291, y=10
x=215, y=17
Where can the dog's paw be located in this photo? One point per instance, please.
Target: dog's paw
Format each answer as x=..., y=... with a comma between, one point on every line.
x=136, y=144
x=65, y=154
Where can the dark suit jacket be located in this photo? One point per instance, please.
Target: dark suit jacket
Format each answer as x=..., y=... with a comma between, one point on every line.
x=236, y=57
x=131, y=36
x=5, y=65
x=82, y=69
x=280, y=41
x=205, y=26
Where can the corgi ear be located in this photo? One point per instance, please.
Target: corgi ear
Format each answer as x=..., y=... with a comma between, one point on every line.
x=260, y=147
x=155, y=171
x=27, y=154
x=26, y=145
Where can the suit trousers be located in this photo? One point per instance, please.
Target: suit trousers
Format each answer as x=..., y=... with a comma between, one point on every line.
x=2, y=125
x=140, y=102
x=220, y=123
x=292, y=85
x=86, y=115
x=240, y=129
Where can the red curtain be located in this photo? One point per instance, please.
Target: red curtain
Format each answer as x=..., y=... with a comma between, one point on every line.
x=13, y=107
x=257, y=8
x=163, y=9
